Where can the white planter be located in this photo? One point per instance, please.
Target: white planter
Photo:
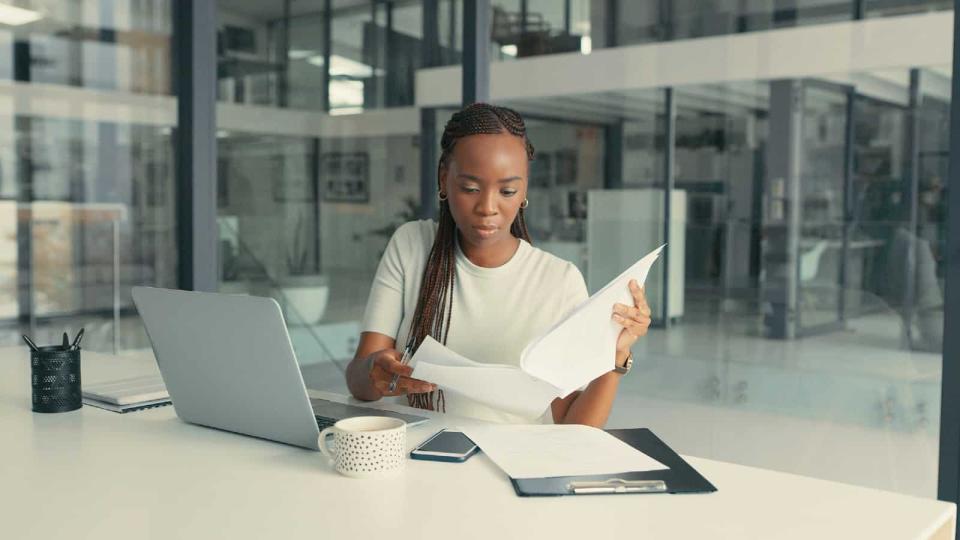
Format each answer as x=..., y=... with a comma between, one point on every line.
x=304, y=299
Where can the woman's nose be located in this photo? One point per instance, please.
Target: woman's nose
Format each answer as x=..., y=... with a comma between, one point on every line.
x=487, y=205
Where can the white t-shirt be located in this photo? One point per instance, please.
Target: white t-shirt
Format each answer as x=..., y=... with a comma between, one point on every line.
x=496, y=311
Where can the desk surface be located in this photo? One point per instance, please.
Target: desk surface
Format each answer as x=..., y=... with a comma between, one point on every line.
x=97, y=474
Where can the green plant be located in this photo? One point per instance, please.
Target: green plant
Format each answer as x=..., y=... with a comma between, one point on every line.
x=410, y=212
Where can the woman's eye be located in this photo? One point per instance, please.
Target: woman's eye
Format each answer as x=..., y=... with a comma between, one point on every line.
x=469, y=189
x=509, y=192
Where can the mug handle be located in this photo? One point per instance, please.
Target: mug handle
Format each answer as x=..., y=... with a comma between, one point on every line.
x=322, y=442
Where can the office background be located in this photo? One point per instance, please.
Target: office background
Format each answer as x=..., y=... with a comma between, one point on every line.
x=793, y=153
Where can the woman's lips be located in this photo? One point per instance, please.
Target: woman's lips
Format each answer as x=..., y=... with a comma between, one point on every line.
x=485, y=231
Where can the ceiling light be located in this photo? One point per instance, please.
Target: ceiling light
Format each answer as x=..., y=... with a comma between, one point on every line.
x=509, y=50
x=341, y=111
x=345, y=67
x=300, y=54
x=15, y=16
x=346, y=94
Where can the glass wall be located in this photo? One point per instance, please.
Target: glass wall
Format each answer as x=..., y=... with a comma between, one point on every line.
x=799, y=323
x=522, y=28
x=314, y=178
x=87, y=199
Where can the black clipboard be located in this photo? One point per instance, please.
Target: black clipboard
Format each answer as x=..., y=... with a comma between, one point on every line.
x=679, y=478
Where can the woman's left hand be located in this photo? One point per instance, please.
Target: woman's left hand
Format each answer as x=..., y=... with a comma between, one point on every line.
x=634, y=319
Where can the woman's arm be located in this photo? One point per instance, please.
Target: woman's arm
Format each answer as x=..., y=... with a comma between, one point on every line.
x=592, y=405
x=374, y=366
x=358, y=371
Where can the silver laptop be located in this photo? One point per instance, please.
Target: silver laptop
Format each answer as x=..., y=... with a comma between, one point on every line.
x=228, y=363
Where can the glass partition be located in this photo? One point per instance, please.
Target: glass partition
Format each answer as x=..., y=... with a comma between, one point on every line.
x=314, y=179
x=87, y=199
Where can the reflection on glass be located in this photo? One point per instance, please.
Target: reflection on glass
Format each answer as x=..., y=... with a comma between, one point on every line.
x=521, y=28
x=892, y=8
x=822, y=179
x=86, y=178
x=277, y=57
x=648, y=22
x=861, y=264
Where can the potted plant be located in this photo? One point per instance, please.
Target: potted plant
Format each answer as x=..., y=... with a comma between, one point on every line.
x=303, y=291
x=410, y=212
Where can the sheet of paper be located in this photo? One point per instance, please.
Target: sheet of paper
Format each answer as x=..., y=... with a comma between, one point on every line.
x=499, y=386
x=582, y=346
x=541, y=451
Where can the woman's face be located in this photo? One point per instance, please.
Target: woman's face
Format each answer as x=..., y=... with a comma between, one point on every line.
x=486, y=182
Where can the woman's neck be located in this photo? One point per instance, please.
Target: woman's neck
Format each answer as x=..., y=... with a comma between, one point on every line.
x=490, y=256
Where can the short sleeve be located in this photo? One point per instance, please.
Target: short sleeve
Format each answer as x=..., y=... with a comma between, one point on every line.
x=384, y=311
x=574, y=287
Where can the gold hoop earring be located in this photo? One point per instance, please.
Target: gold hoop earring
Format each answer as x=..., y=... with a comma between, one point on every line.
x=442, y=196
x=525, y=203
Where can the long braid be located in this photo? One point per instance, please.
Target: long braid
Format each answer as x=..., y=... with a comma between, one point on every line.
x=435, y=302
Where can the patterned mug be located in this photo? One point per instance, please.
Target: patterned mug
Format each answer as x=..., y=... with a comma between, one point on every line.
x=365, y=446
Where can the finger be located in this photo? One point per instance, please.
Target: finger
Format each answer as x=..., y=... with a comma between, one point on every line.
x=640, y=298
x=638, y=293
x=405, y=385
x=408, y=385
x=383, y=387
x=636, y=328
x=631, y=312
x=392, y=365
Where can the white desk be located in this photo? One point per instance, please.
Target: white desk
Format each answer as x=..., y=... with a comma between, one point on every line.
x=96, y=474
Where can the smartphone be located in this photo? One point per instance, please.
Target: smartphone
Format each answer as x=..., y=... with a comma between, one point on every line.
x=445, y=446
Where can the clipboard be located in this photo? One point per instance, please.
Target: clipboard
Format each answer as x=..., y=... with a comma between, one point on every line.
x=679, y=478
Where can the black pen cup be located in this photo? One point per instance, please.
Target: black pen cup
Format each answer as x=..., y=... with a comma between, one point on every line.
x=55, y=378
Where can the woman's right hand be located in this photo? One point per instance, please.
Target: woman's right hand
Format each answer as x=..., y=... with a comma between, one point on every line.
x=384, y=365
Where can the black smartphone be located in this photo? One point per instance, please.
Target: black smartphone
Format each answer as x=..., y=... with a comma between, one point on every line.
x=445, y=446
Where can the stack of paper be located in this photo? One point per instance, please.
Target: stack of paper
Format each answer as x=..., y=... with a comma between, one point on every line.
x=544, y=451
x=575, y=351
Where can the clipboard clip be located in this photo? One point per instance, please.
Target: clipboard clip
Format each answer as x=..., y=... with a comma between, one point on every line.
x=617, y=485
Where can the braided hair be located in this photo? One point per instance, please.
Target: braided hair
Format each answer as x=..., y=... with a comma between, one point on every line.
x=435, y=303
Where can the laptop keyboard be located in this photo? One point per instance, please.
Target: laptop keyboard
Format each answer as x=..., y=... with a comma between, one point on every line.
x=323, y=422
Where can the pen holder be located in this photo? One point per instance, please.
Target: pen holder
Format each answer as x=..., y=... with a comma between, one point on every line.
x=55, y=378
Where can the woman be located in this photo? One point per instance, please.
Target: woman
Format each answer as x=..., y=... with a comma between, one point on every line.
x=478, y=262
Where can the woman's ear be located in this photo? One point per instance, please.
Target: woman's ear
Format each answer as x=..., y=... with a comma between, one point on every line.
x=442, y=171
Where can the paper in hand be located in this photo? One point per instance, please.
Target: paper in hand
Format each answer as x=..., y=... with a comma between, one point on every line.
x=495, y=385
x=581, y=347
x=575, y=351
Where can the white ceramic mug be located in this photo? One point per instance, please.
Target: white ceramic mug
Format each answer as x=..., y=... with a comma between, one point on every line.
x=366, y=446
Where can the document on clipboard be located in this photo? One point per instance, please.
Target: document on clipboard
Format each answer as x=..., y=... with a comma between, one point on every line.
x=576, y=350
x=678, y=478
x=544, y=450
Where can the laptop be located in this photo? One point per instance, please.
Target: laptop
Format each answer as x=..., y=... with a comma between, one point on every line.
x=228, y=363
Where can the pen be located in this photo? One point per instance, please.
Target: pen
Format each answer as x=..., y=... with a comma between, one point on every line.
x=76, y=340
x=30, y=342
x=404, y=360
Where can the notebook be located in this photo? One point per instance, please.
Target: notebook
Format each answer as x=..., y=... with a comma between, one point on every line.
x=126, y=395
